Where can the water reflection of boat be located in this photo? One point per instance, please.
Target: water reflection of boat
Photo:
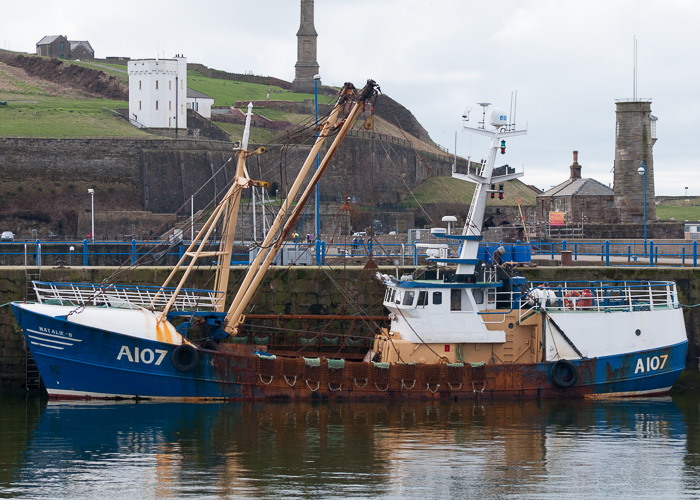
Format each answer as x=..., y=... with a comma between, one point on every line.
x=364, y=449
x=476, y=330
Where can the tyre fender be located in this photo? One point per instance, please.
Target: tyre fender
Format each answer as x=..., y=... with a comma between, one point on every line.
x=564, y=374
x=185, y=358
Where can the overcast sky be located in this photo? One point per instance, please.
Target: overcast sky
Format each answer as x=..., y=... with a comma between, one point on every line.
x=568, y=61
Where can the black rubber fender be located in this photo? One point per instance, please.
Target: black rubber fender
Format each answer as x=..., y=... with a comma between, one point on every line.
x=185, y=358
x=564, y=374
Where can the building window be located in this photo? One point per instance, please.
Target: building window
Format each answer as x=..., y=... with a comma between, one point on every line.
x=139, y=84
x=156, y=104
x=156, y=84
x=170, y=105
x=617, y=128
x=61, y=46
x=139, y=105
x=170, y=85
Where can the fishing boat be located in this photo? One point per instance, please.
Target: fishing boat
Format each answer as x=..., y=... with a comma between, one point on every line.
x=463, y=328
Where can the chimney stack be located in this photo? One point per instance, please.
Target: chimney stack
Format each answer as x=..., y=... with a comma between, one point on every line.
x=575, y=168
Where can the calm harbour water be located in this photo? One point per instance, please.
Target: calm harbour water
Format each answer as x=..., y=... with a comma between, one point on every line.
x=559, y=449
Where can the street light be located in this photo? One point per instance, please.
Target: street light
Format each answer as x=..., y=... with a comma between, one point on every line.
x=317, y=78
x=92, y=210
x=643, y=171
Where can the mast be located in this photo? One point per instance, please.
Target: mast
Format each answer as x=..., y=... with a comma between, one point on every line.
x=472, y=232
x=228, y=210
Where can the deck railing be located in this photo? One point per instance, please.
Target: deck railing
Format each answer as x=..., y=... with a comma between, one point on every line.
x=123, y=296
x=596, y=296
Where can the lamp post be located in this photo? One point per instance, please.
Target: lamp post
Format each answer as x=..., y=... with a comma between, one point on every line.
x=318, y=220
x=643, y=172
x=92, y=210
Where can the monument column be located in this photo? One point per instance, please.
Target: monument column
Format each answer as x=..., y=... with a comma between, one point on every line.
x=307, y=66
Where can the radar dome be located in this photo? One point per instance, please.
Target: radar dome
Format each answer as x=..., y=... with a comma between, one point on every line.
x=499, y=118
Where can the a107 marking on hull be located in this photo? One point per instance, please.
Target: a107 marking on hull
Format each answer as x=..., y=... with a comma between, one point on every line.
x=653, y=363
x=146, y=356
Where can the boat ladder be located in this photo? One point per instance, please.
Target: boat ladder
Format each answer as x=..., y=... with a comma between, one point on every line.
x=32, y=379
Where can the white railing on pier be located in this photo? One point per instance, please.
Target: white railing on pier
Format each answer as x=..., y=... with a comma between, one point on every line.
x=124, y=296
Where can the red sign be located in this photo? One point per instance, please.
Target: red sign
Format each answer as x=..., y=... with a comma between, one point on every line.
x=556, y=218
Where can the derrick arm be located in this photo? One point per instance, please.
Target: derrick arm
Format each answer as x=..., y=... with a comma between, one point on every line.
x=260, y=266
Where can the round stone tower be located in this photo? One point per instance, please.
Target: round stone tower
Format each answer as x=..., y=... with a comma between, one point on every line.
x=307, y=66
x=635, y=135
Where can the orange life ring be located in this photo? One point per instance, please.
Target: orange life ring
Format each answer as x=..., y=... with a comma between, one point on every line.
x=571, y=298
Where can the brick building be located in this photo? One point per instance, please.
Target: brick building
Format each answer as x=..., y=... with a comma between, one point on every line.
x=56, y=46
x=59, y=47
x=81, y=49
x=581, y=200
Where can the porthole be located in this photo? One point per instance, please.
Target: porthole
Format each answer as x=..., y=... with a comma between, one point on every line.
x=637, y=332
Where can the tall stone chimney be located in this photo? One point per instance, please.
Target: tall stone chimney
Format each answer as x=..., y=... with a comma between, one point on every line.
x=306, y=66
x=575, y=168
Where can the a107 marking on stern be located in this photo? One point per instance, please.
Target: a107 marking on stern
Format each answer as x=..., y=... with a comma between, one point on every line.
x=653, y=363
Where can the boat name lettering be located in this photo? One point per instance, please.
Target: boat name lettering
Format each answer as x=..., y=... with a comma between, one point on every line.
x=653, y=363
x=51, y=331
x=146, y=356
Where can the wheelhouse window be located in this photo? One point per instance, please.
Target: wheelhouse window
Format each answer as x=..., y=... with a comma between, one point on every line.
x=422, y=298
x=478, y=294
x=456, y=300
x=408, y=298
x=437, y=298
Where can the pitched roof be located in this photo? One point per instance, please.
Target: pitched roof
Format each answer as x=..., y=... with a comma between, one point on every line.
x=579, y=187
x=47, y=40
x=196, y=94
x=84, y=43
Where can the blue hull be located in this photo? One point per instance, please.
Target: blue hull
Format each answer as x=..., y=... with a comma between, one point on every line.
x=77, y=361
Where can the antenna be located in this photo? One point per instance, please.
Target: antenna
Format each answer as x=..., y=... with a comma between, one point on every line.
x=465, y=115
x=483, y=105
x=634, y=72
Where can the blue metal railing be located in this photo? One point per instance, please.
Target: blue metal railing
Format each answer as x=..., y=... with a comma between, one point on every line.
x=52, y=252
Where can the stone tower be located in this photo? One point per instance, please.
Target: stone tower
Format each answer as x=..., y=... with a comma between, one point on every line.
x=635, y=135
x=306, y=66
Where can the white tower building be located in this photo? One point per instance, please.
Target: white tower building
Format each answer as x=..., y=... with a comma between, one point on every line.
x=158, y=93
